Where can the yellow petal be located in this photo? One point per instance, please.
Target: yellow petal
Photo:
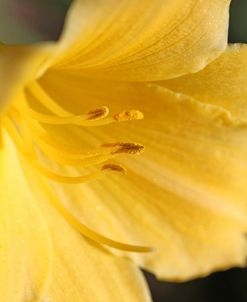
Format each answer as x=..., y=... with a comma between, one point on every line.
x=43, y=258
x=185, y=196
x=25, y=240
x=222, y=82
x=142, y=39
x=18, y=66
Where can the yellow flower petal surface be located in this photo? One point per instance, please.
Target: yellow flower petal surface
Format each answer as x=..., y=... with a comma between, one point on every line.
x=142, y=39
x=222, y=82
x=185, y=195
x=42, y=257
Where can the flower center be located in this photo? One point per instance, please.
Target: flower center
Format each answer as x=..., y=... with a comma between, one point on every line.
x=28, y=129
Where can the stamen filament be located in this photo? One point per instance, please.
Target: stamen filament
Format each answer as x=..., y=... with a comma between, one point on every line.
x=76, y=179
x=63, y=149
x=36, y=90
x=66, y=179
x=23, y=123
x=83, y=229
x=79, y=120
x=87, y=232
x=72, y=159
x=31, y=157
x=68, y=158
x=95, y=117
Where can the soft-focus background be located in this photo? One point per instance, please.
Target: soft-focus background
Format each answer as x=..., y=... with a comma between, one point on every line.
x=24, y=21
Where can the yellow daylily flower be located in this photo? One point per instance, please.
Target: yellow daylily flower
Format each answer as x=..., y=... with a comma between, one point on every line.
x=71, y=119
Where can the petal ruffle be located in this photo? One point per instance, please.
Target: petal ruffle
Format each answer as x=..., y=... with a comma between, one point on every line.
x=222, y=82
x=186, y=195
x=43, y=258
x=142, y=40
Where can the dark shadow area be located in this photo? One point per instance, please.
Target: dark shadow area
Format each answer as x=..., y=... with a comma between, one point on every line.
x=30, y=21
x=228, y=286
x=238, y=22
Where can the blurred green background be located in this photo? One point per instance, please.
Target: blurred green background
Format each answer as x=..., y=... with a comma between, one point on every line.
x=25, y=21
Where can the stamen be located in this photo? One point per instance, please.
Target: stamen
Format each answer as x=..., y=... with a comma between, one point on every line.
x=129, y=148
x=32, y=158
x=68, y=151
x=61, y=156
x=29, y=128
x=113, y=167
x=130, y=115
x=64, y=154
x=123, y=116
x=79, y=120
x=36, y=90
x=95, y=117
x=71, y=159
x=66, y=179
x=87, y=232
x=41, y=135
x=98, y=113
x=77, y=179
x=22, y=126
x=84, y=230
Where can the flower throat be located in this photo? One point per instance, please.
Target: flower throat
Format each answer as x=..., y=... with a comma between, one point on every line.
x=27, y=128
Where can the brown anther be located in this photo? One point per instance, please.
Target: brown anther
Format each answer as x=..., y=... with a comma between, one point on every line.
x=129, y=148
x=128, y=116
x=98, y=113
x=113, y=167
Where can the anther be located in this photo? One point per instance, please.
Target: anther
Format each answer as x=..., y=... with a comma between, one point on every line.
x=115, y=168
x=128, y=148
x=79, y=120
x=98, y=113
x=129, y=115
